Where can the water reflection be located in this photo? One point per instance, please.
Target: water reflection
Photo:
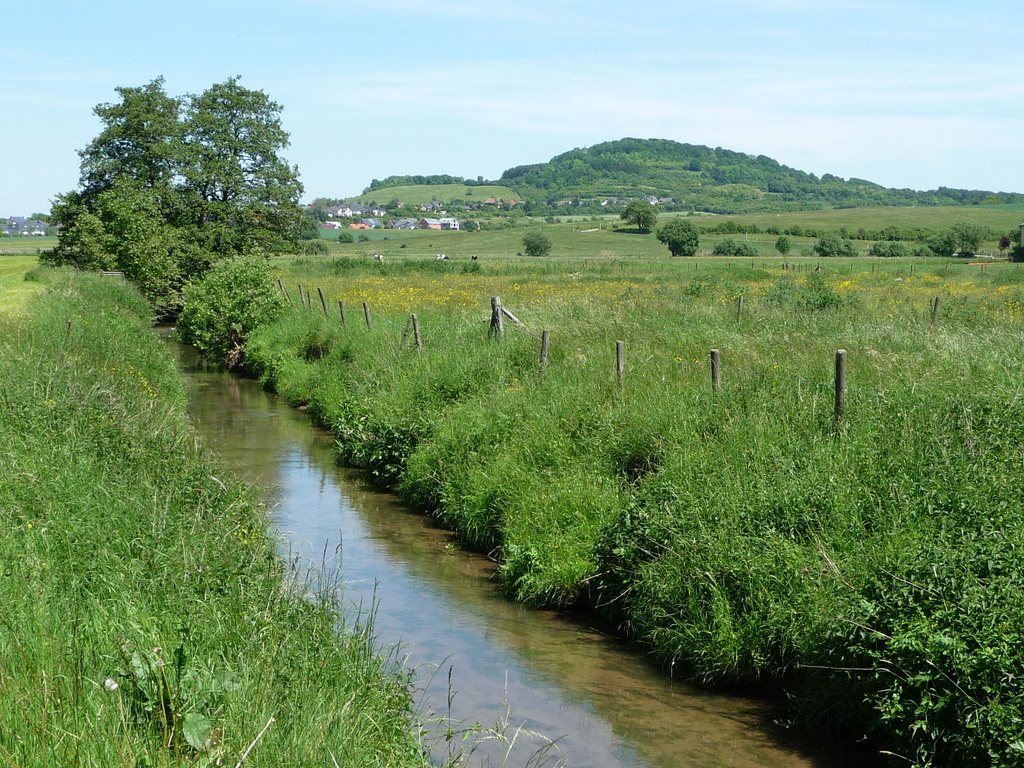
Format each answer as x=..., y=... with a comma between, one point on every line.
x=606, y=705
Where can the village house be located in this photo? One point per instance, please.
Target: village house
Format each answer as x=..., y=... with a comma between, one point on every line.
x=406, y=223
x=449, y=223
x=19, y=225
x=428, y=224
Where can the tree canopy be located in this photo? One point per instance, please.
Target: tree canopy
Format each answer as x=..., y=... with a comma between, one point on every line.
x=641, y=213
x=170, y=185
x=680, y=236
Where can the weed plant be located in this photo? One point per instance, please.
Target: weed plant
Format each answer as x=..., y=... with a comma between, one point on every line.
x=146, y=619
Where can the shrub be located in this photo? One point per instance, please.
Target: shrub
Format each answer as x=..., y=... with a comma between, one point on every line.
x=730, y=247
x=680, y=236
x=889, y=249
x=536, y=244
x=223, y=308
x=315, y=248
x=831, y=245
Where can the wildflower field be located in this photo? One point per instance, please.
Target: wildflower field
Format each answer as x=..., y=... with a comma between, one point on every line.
x=867, y=565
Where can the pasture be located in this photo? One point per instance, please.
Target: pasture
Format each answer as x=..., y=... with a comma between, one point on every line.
x=864, y=562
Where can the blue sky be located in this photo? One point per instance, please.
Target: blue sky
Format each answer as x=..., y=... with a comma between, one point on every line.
x=906, y=94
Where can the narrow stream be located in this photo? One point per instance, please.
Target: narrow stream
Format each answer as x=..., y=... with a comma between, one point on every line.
x=604, y=704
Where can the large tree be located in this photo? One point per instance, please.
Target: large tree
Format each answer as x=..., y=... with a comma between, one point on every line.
x=245, y=195
x=140, y=140
x=680, y=236
x=171, y=185
x=641, y=213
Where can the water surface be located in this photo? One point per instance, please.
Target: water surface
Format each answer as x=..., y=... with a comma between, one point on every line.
x=478, y=657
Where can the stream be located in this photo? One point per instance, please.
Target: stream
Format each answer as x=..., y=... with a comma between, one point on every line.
x=477, y=657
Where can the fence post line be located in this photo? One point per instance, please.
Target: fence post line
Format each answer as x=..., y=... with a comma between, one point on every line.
x=366, y=314
x=341, y=310
x=620, y=361
x=716, y=371
x=840, y=384
x=323, y=301
x=497, y=317
x=544, y=338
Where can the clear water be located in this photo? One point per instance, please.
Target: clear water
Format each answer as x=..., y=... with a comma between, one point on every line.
x=478, y=658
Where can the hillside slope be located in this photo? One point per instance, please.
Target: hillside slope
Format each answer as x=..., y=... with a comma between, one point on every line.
x=710, y=179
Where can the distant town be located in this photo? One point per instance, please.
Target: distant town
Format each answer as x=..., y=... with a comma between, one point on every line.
x=21, y=226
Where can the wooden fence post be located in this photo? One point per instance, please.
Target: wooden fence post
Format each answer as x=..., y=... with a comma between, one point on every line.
x=840, y=384
x=544, y=337
x=341, y=310
x=620, y=361
x=716, y=371
x=323, y=301
x=309, y=301
x=416, y=331
x=935, y=310
x=739, y=308
x=285, y=292
x=366, y=314
x=497, y=317
x=302, y=297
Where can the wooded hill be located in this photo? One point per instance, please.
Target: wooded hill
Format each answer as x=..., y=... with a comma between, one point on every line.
x=696, y=177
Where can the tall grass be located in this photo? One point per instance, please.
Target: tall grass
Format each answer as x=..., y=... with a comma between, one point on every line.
x=869, y=567
x=146, y=619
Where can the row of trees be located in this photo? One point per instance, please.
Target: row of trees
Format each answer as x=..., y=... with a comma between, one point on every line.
x=171, y=185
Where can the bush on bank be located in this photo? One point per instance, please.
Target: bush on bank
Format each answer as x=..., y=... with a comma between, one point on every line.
x=146, y=618
x=871, y=568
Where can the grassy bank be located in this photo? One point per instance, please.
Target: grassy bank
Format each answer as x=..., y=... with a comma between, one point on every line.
x=870, y=567
x=146, y=619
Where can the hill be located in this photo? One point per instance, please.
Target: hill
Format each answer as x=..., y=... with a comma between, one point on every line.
x=423, y=194
x=717, y=180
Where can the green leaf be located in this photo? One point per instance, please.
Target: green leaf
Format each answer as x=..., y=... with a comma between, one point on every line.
x=198, y=730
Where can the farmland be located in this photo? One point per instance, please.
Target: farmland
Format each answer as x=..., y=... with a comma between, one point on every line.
x=865, y=564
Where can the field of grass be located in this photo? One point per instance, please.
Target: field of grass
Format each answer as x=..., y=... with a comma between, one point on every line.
x=607, y=237
x=999, y=217
x=424, y=193
x=15, y=289
x=146, y=619
x=870, y=567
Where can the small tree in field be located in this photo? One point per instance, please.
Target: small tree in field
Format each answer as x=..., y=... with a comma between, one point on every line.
x=536, y=244
x=1004, y=244
x=782, y=245
x=641, y=213
x=680, y=236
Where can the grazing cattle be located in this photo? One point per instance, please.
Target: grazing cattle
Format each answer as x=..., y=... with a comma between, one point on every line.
x=473, y=257
x=441, y=257
x=378, y=257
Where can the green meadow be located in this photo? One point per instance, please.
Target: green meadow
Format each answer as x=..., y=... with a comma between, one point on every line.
x=865, y=563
